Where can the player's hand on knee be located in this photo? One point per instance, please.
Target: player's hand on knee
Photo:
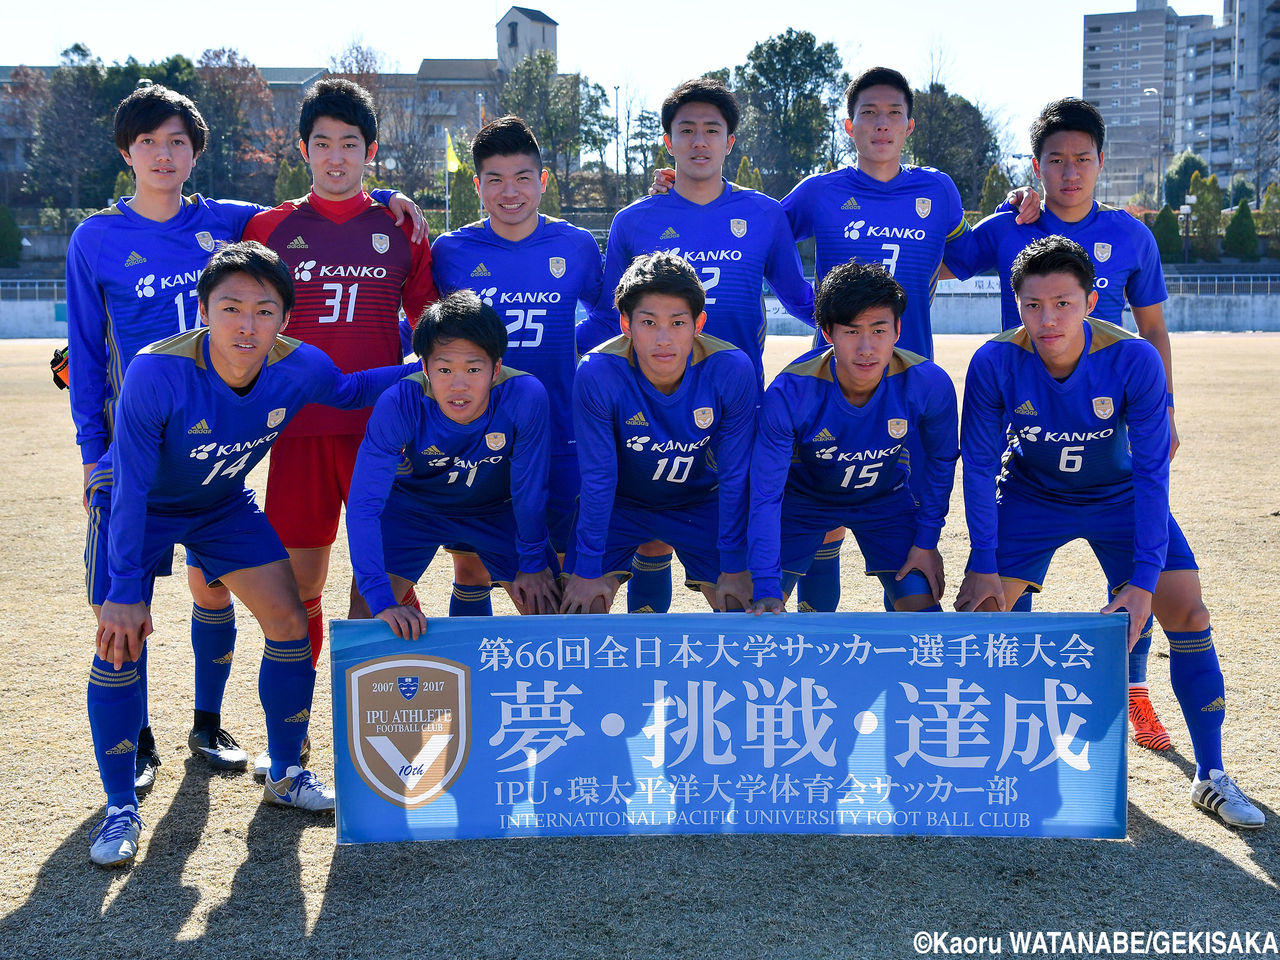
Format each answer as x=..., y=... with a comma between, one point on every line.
x=929, y=563
x=536, y=593
x=980, y=592
x=1137, y=603
x=587, y=594
x=664, y=179
x=767, y=605
x=407, y=623
x=732, y=591
x=122, y=629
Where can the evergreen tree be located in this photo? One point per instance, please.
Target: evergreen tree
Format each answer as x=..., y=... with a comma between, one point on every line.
x=1167, y=234
x=550, y=205
x=1242, y=189
x=123, y=187
x=994, y=189
x=748, y=176
x=1177, y=177
x=1207, y=211
x=10, y=239
x=1269, y=215
x=464, y=202
x=1241, y=239
x=292, y=182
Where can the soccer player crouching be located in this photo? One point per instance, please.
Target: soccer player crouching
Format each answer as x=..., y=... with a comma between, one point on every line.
x=1082, y=404
x=456, y=453
x=663, y=417
x=196, y=413
x=831, y=448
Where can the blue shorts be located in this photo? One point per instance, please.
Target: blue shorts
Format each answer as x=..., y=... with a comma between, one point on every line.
x=885, y=533
x=411, y=536
x=236, y=536
x=1030, y=534
x=693, y=533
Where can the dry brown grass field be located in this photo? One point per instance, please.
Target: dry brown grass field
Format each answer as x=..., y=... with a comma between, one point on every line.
x=219, y=875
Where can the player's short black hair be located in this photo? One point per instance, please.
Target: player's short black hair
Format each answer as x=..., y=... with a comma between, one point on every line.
x=343, y=100
x=878, y=77
x=246, y=256
x=702, y=90
x=149, y=106
x=851, y=288
x=507, y=136
x=661, y=272
x=1049, y=255
x=460, y=316
x=1069, y=113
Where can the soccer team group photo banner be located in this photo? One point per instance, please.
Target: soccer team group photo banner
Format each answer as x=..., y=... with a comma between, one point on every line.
x=966, y=724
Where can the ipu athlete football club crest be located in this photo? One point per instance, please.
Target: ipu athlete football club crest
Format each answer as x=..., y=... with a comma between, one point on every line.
x=407, y=754
x=275, y=417
x=897, y=429
x=205, y=239
x=1102, y=252
x=495, y=441
x=923, y=206
x=703, y=417
x=1103, y=407
x=557, y=266
x=739, y=227
x=381, y=243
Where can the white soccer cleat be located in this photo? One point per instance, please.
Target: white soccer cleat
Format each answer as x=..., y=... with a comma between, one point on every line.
x=1222, y=796
x=114, y=841
x=300, y=789
x=262, y=763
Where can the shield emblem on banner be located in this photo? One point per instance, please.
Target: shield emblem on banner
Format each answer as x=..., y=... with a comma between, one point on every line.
x=205, y=239
x=495, y=441
x=897, y=429
x=275, y=417
x=381, y=242
x=409, y=755
x=739, y=227
x=1102, y=252
x=408, y=687
x=557, y=266
x=703, y=417
x=923, y=206
x=1103, y=407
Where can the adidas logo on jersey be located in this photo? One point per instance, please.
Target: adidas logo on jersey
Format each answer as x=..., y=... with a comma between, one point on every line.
x=201, y=427
x=124, y=746
x=481, y=271
x=1217, y=706
x=226, y=658
x=302, y=716
x=432, y=450
x=1026, y=409
x=638, y=421
x=669, y=234
x=297, y=243
x=850, y=204
x=824, y=437
x=134, y=259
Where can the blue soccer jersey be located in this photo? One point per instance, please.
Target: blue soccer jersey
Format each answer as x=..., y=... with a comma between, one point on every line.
x=130, y=282
x=1123, y=251
x=903, y=224
x=735, y=243
x=185, y=441
x=1101, y=436
x=414, y=460
x=646, y=450
x=823, y=454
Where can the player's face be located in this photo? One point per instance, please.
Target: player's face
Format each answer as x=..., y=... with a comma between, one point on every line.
x=699, y=141
x=461, y=376
x=510, y=189
x=336, y=153
x=880, y=125
x=662, y=328
x=1053, y=308
x=244, y=316
x=162, y=158
x=1068, y=167
x=863, y=350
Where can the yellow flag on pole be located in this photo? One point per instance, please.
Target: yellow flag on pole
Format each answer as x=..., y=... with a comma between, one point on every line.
x=450, y=156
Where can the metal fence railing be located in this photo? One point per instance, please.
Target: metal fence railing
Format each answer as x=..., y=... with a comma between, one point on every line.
x=33, y=290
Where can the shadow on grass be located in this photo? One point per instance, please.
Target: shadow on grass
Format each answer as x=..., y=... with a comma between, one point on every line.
x=774, y=896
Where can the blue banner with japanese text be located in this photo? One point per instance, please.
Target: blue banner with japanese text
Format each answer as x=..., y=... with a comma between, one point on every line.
x=967, y=724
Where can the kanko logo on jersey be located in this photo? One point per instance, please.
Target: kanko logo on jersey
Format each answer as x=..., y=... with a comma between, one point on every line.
x=704, y=256
x=206, y=450
x=310, y=269
x=855, y=228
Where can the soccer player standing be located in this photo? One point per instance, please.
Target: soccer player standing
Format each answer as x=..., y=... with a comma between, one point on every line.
x=534, y=270
x=1084, y=404
x=833, y=427
x=196, y=413
x=353, y=271
x=664, y=417
x=1067, y=156
x=733, y=237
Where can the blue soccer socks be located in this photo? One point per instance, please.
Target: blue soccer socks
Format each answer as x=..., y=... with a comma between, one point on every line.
x=471, y=600
x=115, y=717
x=1138, y=655
x=1197, y=683
x=213, y=640
x=819, y=589
x=285, y=686
x=649, y=589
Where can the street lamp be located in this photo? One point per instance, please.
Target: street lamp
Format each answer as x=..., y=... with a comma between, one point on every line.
x=1185, y=218
x=617, y=142
x=1153, y=92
